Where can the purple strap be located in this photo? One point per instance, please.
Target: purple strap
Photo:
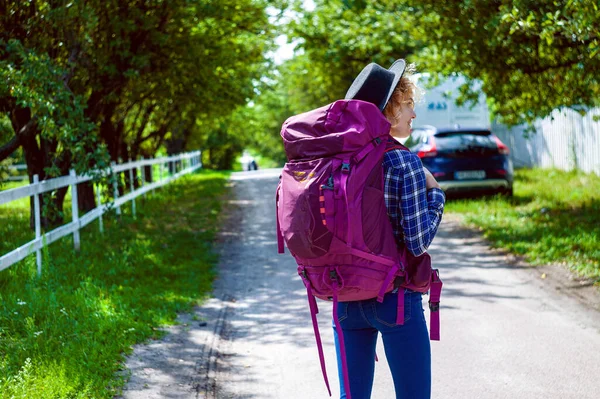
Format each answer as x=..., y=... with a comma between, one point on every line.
x=375, y=258
x=344, y=189
x=388, y=279
x=280, y=248
x=435, y=292
x=363, y=153
x=340, y=334
x=400, y=308
x=312, y=303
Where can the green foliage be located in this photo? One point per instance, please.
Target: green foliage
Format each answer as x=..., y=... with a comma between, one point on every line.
x=532, y=57
x=337, y=39
x=34, y=81
x=145, y=70
x=553, y=218
x=65, y=335
x=211, y=58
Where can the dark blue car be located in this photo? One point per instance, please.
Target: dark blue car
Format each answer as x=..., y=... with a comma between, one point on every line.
x=464, y=160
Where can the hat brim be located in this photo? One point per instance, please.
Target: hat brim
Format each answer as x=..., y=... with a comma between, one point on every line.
x=397, y=68
x=356, y=90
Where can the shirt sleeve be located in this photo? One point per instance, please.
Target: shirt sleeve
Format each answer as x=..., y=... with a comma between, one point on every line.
x=414, y=211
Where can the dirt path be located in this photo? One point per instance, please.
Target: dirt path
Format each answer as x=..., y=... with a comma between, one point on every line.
x=506, y=332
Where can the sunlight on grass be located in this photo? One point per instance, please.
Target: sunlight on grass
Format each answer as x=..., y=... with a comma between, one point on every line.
x=65, y=335
x=554, y=217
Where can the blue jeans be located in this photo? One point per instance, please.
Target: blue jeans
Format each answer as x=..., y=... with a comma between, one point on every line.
x=407, y=347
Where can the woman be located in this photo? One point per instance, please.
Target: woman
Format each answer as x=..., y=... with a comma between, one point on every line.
x=415, y=204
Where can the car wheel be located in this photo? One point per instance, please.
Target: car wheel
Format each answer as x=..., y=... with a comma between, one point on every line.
x=507, y=192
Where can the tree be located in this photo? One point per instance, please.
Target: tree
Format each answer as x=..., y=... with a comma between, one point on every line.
x=131, y=75
x=339, y=38
x=531, y=56
x=335, y=41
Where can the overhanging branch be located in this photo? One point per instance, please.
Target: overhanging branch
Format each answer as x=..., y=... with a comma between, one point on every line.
x=7, y=149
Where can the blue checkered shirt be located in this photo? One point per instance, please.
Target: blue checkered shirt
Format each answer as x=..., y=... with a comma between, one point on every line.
x=414, y=211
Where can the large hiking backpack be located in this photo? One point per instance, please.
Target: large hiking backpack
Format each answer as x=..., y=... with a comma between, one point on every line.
x=331, y=214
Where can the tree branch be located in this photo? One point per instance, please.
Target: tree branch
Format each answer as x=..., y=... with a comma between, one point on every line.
x=7, y=149
x=14, y=143
x=144, y=123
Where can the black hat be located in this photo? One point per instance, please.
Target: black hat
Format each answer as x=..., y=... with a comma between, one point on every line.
x=376, y=84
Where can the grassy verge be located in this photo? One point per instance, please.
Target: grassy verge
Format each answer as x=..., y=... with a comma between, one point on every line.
x=554, y=217
x=65, y=335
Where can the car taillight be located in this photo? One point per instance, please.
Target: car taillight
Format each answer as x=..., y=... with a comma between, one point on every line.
x=502, y=148
x=428, y=150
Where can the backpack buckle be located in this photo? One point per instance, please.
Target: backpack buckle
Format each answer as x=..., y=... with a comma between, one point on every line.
x=329, y=185
x=345, y=167
x=333, y=275
x=434, y=306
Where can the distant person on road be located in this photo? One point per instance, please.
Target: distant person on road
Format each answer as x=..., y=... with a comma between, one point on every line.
x=415, y=204
x=248, y=162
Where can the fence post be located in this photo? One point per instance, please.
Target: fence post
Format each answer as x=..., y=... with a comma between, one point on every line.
x=132, y=188
x=99, y=201
x=75, y=209
x=38, y=223
x=115, y=187
x=143, y=175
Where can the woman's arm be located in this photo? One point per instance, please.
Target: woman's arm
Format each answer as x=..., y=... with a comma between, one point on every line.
x=415, y=211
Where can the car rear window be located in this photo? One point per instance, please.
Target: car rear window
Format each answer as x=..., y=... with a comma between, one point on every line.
x=465, y=139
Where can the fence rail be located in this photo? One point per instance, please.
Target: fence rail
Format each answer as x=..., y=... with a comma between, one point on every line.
x=186, y=163
x=16, y=169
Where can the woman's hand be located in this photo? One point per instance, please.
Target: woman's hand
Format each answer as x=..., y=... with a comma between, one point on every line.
x=430, y=181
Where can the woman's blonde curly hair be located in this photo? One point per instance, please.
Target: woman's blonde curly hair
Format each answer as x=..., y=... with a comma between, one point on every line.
x=405, y=89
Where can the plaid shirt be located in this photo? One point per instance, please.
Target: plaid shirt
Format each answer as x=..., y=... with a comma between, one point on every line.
x=414, y=211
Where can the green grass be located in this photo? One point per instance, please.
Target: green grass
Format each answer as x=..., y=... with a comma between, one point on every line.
x=65, y=335
x=554, y=217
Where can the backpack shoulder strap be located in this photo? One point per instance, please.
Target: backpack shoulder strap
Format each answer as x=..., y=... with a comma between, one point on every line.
x=394, y=145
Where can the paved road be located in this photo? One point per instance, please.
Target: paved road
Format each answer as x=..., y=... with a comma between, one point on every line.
x=506, y=333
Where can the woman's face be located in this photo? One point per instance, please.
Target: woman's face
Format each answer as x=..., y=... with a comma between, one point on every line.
x=403, y=125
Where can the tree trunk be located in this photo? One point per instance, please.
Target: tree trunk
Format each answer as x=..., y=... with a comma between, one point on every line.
x=86, y=198
x=33, y=158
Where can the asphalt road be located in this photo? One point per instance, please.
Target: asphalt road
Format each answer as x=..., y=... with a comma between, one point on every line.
x=505, y=331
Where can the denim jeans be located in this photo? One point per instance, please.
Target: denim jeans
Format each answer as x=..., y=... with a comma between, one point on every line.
x=407, y=348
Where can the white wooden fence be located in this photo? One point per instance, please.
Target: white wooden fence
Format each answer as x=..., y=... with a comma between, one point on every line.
x=17, y=176
x=167, y=172
x=564, y=140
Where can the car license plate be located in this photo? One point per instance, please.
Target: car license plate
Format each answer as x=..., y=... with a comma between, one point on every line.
x=470, y=175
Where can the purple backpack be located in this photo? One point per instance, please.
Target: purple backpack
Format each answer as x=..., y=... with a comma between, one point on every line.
x=331, y=214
